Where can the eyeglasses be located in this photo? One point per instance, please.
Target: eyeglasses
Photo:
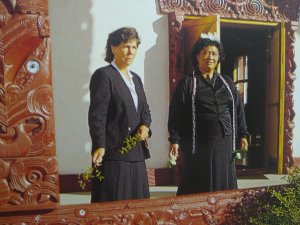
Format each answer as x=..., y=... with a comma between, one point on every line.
x=207, y=53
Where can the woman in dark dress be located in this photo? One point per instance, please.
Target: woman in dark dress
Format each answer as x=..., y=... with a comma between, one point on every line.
x=206, y=118
x=119, y=109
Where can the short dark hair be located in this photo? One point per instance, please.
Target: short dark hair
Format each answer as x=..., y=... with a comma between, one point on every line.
x=200, y=44
x=123, y=34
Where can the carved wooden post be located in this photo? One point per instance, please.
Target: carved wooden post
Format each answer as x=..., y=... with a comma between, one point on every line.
x=176, y=69
x=28, y=166
x=289, y=112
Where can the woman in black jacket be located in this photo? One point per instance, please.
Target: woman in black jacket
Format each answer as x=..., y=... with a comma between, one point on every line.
x=118, y=109
x=206, y=117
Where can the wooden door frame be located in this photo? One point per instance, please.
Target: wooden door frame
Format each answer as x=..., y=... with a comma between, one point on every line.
x=263, y=10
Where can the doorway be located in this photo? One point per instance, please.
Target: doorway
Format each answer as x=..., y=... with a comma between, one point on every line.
x=246, y=62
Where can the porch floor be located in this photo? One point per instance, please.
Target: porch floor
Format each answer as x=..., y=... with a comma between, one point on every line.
x=244, y=181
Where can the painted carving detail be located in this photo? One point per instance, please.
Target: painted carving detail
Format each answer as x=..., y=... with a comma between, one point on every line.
x=265, y=10
x=289, y=112
x=28, y=173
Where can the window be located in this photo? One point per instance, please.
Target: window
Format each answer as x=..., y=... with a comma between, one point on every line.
x=240, y=77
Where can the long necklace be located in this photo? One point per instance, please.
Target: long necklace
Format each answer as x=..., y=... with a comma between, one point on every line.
x=233, y=112
x=194, y=113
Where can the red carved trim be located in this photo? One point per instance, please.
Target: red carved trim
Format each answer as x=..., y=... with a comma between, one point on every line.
x=209, y=208
x=290, y=67
x=28, y=167
x=264, y=10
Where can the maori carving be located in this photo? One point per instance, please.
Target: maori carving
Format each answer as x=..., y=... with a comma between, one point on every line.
x=209, y=208
x=264, y=10
x=289, y=112
x=175, y=47
x=28, y=173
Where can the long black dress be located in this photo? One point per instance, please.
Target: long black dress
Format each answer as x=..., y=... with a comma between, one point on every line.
x=207, y=140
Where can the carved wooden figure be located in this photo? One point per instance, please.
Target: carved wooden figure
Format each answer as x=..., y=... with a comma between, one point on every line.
x=28, y=166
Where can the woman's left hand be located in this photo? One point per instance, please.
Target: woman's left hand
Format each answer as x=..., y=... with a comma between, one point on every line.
x=143, y=132
x=244, y=143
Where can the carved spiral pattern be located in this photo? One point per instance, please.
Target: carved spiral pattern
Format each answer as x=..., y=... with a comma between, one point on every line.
x=17, y=168
x=216, y=5
x=17, y=179
x=34, y=176
x=13, y=91
x=48, y=141
x=40, y=101
x=33, y=190
x=143, y=219
x=290, y=10
x=255, y=7
x=175, y=3
x=25, y=173
x=4, y=169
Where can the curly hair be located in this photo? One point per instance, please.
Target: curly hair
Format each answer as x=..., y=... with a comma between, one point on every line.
x=123, y=34
x=200, y=44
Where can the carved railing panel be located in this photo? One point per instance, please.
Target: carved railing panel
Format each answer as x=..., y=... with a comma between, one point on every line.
x=28, y=167
x=206, y=208
x=259, y=10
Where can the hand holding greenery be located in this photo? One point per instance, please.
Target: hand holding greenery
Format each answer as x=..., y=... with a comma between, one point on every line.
x=129, y=143
x=87, y=175
x=239, y=154
x=172, y=161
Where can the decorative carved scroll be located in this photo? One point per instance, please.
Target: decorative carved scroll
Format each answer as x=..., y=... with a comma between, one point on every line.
x=264, y=10
x=289, y=112
x=210, y=208
x=28, y=168
x=259, y=10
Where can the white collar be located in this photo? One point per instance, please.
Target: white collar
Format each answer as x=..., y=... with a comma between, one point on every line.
x=115, y=65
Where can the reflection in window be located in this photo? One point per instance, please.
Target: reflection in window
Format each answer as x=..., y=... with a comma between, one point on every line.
x=240, y=77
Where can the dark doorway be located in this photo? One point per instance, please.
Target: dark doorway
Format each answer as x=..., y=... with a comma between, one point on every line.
x=246, y=63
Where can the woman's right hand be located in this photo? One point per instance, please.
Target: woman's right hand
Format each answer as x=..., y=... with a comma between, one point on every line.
x=97, y=156
x=173, y=151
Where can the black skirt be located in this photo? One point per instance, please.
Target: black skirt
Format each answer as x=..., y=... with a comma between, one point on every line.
x=122, y=181
x=212, y=168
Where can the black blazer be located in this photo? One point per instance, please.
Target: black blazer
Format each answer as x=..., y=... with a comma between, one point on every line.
x=112, y=115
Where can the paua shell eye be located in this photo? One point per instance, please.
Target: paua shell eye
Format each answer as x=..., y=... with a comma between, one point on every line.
x=33, y=66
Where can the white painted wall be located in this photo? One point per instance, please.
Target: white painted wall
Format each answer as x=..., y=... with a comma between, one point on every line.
x=79, y=30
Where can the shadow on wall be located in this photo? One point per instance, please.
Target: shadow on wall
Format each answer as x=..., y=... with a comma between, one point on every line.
x=71, y=39
x=156, y=79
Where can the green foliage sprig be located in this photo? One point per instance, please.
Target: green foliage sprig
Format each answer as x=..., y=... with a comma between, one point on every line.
x=239, y=154
x=285, y=204
x=87, y=175
x=129, y=143
x=278, y=205
x=172, y=161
